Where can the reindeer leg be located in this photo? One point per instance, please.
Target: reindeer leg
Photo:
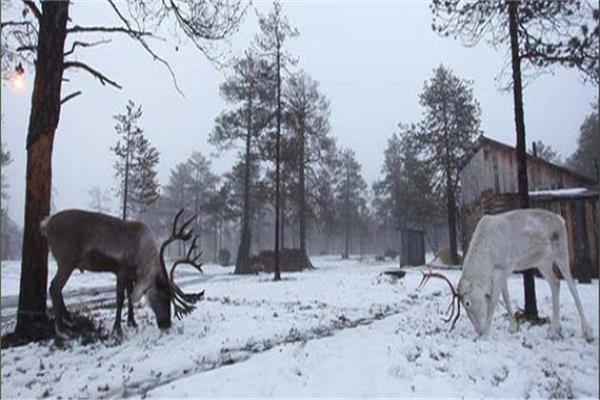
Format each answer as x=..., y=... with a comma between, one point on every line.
x=514, y=325
x=563, y=266
x=56, y=286
x=120, y=299
x=130, y=319
x=554, y=283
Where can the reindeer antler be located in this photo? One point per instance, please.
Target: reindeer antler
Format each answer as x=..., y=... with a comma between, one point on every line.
x=194, y=261
x=454, y=304
x=182, y=302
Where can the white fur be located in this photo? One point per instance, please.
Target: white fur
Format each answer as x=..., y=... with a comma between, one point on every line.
x=515, y=241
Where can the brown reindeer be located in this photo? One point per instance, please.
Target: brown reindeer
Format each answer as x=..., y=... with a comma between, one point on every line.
x=101, y=243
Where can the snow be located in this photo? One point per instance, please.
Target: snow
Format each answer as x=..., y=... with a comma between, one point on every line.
x=559, y=192
x=343, y=330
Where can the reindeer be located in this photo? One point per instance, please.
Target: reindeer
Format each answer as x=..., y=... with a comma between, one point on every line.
x=101, y=243
x=504, y=243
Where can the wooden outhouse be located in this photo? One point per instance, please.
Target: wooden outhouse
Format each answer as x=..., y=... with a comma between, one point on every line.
x=489, y=186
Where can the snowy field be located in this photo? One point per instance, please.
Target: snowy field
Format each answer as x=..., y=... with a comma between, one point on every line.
x=343, y=330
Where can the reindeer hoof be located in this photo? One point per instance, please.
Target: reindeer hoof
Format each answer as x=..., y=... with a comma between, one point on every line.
x=555, y=334
x=514, y=327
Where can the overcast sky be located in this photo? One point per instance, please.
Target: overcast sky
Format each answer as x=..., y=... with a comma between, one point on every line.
x=371, y=59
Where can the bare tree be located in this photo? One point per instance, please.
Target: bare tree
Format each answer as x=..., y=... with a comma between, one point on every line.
x=44, y=32
x=541, y=35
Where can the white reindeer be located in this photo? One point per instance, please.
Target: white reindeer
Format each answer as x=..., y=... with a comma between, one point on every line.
x=508, y=242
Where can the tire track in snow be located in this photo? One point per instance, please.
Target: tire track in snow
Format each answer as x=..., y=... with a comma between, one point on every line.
x=244, y=353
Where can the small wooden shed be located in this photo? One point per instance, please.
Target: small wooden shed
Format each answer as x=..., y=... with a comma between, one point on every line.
x=489, y=186
x=412, y=247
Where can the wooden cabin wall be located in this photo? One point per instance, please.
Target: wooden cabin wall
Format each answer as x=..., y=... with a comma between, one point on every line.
x=494, y=167
x=473, y=178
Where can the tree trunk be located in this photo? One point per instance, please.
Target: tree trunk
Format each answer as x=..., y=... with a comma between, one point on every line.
x=450, y=197
x=282, y=222
x=217, y=236
x=126, y=183
x=346, y=251
x=197, y=231
x=277, y=276
x=451, y=207
x=43, y=121
x=242, y=263
x=302, y=198
x=531, y=311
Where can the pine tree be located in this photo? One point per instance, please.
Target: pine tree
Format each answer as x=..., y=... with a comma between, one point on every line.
x=307, y=115
x=326, y=216
x=451, y=121
x=248, y=89
x=136, y=163
x=10, y=237
x=405, y=196
x=546, y=152
x=585, y=158
x=5, y=160
x=100, y=199
x=349, y=194
x=275, y=31
x=202, y=183
x=176, y=193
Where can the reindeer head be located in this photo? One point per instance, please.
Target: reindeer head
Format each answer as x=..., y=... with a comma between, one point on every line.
x=476, y=301
x=165, y=291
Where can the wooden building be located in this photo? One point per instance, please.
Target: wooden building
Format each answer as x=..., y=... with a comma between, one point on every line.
x=489, y=186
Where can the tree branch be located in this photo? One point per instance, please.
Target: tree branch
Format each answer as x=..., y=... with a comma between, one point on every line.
x=145, y=45
x=96, y=74
x=34, y=9
x=85, y=44
x=108, y=29
x=69, y=97
x=26, y=48
x=15, y=23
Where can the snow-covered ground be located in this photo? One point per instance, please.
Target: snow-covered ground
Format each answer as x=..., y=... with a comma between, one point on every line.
x=343, y=330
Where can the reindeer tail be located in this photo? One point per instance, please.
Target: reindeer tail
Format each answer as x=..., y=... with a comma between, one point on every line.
x=44, y=225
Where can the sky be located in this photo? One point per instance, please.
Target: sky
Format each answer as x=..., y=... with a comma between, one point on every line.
x=371, y=59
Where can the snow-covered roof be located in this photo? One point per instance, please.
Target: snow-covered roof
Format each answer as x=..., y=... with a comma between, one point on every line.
x=567, y=192
x=559, y=192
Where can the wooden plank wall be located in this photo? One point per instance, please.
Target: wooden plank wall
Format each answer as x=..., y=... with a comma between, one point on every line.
x=494, y=168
